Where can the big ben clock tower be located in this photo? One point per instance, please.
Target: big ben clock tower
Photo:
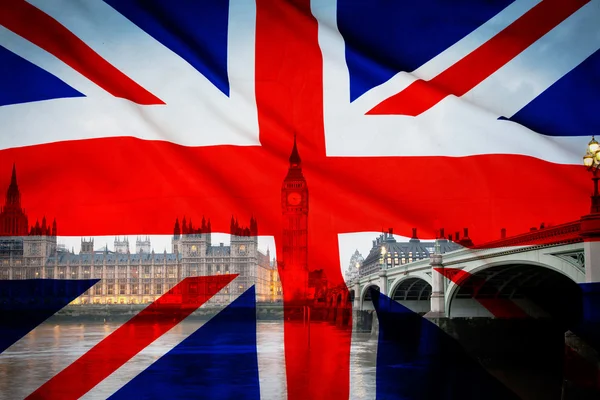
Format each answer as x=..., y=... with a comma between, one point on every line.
x=294, y=205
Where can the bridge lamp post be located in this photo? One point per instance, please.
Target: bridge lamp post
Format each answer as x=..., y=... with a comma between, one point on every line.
x=591, y=160
x=382, y=259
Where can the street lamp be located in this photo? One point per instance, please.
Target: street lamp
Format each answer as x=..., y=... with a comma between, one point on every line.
x=382, y=258
x=591, y=160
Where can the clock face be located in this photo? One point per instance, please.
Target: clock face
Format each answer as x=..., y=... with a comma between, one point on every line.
x=294, y=198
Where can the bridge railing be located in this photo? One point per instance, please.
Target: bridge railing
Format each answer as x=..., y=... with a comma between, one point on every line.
x=558, y=234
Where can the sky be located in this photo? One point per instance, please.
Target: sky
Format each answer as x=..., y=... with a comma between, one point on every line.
x=348, y=243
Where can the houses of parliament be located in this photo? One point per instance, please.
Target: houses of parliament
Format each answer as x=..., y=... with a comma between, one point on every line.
x=31, y=251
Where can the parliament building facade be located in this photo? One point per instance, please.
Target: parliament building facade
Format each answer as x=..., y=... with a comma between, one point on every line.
x=31, y=252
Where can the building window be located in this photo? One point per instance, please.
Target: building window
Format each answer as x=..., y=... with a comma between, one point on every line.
x=134, y=289
x=158, y=288
x=146, y=288
x=134, y=273
x=110, y=289
x=122, y=289
x=146, y=272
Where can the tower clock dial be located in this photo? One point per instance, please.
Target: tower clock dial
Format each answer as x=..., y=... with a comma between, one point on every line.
x=294, y=198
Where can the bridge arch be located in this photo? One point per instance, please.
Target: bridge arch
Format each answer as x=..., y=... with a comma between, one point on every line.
x=515, y=289
x=366, y=303
x=413, y=292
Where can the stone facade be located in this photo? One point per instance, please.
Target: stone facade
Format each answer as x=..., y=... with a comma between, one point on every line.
x=387, y=253
x=140, y=277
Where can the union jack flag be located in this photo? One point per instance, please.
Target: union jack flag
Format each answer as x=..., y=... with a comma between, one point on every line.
x=416, y=113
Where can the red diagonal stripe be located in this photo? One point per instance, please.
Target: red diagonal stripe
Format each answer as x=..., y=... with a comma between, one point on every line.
x=44, y=31
x=131, y=338
x=500, y=308
x=471, y=70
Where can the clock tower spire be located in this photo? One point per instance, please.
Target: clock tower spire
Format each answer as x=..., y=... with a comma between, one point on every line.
x=294, y=206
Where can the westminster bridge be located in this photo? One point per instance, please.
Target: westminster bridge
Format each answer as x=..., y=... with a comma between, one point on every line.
x=483, y=280
x=512, y=304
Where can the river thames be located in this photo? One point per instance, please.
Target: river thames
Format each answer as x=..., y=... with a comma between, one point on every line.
x=52, y=346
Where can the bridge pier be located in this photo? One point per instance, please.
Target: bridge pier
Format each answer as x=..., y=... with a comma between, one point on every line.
x=438, y=298
x=592, y=260
x=383, y=282
x=362, y=321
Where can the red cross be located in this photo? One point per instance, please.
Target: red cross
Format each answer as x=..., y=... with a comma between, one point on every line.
x=126, y=186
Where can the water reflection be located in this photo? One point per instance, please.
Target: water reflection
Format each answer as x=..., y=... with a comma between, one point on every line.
x=51, y=347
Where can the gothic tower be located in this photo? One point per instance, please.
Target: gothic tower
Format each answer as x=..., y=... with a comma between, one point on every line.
x=13, y=221
x=121, y=246
x=244, y=239
x=294, y=205
x=142, y=245
x=87, y=246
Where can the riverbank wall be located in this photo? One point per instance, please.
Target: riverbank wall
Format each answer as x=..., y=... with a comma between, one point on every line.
x=123, y=312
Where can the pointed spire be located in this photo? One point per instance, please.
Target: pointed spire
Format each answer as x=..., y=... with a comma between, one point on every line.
x=13, y=196
x=176, y=228
x=13, y=178
x=295, y=157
